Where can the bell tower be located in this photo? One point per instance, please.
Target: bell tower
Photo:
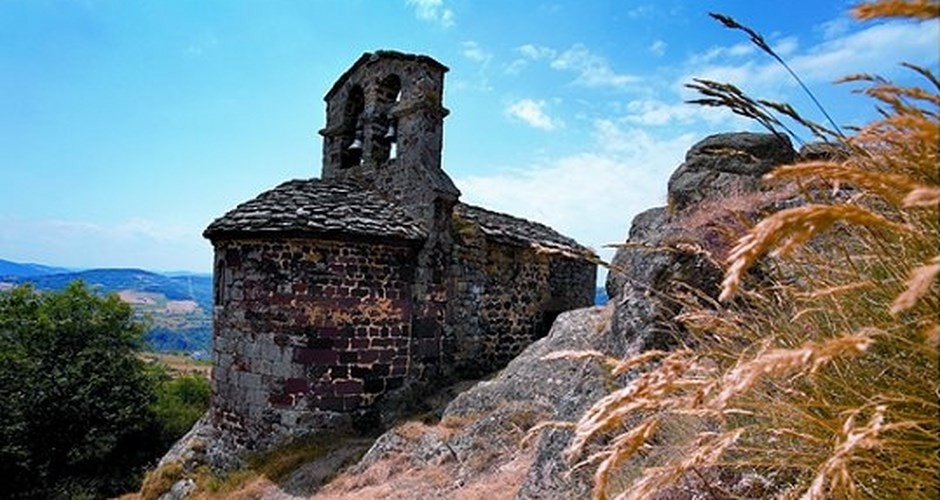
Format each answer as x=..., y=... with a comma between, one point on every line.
x=384, y=130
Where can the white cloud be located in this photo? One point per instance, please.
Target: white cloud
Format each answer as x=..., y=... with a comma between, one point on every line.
x=658, y=48
x=642, y=11
x=529, y=52
x=875, y=49
x=593, y=70
x=786, y=46
x=835, y=28
x=432, y=11
x=533, y=113
x=472, y=50
x=591, y=196
x=516, y=66
x=737, y=50
x=536, y=52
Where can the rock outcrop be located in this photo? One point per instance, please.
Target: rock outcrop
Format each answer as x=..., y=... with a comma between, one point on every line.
x=474, y=451
x=669, y=250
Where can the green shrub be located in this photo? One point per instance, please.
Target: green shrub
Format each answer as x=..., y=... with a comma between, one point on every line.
x=73, y=395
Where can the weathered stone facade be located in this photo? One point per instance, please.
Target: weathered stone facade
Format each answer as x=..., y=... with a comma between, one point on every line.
x=332, y=295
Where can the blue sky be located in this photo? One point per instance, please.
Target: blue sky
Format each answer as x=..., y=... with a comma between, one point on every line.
x=127, y=126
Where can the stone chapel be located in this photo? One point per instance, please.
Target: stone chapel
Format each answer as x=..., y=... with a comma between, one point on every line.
x=334, y=293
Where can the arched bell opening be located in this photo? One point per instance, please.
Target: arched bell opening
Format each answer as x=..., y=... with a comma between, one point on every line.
x=352, y=141
x=388, y=95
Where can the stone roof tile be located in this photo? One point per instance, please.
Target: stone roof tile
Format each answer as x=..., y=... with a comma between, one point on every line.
x=317, y=207
x=506, y=229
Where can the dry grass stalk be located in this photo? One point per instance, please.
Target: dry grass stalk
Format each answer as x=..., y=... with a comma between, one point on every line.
x=786, y=230
x=793, y=407
x=922, y=197
x=892, y=187
x=622, y=448
x=576, y=355
x=918, y=9
x=651, y=391
x=835, y=473
x=781, y=363
x=705, y=452
x=541, y=426
x=917, y=285
x=834, y=290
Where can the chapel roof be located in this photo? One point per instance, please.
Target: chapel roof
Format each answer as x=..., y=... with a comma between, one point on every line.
x=510, y=230
x=317, y=207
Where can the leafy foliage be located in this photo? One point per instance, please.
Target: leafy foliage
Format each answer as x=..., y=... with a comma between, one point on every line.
x=71, y=393
x=80, y=413
x=180, y=402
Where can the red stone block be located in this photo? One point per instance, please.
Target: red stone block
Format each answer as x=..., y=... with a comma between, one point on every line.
x=296, y=386
x=307, y=356
x=280, y=400
x=345, y=387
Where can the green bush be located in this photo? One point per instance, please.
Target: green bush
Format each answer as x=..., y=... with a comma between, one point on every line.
x=81, y=414
x=180, y=402
x=73, y=395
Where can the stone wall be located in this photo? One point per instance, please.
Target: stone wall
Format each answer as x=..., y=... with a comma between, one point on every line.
x=507, y=296
x=307, y=327
x=572, y=283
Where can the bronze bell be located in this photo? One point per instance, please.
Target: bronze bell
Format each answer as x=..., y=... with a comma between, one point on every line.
x=357, y=142
x=391, y=134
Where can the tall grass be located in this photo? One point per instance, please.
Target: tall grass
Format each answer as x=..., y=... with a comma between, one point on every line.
x=817, y=377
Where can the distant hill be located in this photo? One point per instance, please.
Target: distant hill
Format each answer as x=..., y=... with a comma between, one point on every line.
x=177, y=305
x=197, y=288
x=10, y=269
x=600, y=296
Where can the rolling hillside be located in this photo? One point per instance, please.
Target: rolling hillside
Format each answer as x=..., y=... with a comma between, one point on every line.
x=178, y=306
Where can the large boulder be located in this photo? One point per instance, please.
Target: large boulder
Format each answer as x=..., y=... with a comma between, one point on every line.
x=725, y=164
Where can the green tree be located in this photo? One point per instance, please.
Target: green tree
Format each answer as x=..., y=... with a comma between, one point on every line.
x=75, y=400
x=180, y=402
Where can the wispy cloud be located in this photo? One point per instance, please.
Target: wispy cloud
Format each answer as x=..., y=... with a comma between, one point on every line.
x=874, y=49
x=585, y=195
x=432, y=11
x=529, y=52
x=592, y=69
x=536, y=52
x=481, y=58
x=472, y=50
x=533, y=113
x=655, y=112
x=658, y=48
x=642, y=11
